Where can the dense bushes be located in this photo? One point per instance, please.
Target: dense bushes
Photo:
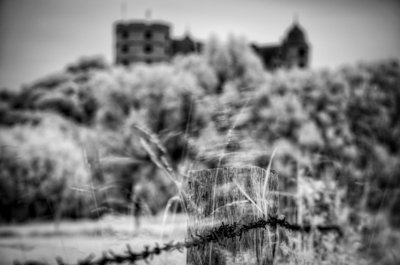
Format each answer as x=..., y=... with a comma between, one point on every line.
x=215, y=109
x=42, y=168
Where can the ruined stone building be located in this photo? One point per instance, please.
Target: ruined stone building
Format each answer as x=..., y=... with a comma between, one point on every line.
x=150, y=41
x=293, y=51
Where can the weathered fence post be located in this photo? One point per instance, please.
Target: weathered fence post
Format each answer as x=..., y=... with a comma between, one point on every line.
x=214, y=197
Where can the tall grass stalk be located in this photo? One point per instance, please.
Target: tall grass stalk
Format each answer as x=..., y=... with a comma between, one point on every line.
x=166, y=210
x=266, y=181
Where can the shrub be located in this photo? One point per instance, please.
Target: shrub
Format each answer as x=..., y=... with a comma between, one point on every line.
x=41, y=168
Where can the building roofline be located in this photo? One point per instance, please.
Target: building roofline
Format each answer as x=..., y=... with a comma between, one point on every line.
x=141, y=22
x=275, y=44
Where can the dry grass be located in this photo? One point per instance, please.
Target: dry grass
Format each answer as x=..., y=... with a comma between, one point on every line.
x=76, y=240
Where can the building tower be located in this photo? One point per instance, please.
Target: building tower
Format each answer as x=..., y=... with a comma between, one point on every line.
x=142, y=41
x=186, y=45
x=295, y=49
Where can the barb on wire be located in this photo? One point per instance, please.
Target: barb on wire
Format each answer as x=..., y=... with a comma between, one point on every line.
x=216, y=235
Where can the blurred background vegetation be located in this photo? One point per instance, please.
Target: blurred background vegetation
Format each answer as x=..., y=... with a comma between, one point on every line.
x=70, y=147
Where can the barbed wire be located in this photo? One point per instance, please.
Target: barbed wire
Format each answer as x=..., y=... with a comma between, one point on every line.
x=216, y=235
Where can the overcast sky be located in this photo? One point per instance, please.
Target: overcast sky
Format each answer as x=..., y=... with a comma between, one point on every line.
x=39, y=37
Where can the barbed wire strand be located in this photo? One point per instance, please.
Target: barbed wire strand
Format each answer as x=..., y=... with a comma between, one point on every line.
x=216, y=235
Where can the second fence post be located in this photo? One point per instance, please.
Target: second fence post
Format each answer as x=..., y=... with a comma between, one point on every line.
x=218, y=195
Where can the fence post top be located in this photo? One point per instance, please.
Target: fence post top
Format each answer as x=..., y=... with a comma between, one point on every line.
x=234, y=167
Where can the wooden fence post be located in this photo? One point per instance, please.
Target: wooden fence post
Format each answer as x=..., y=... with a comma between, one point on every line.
x=214, y=197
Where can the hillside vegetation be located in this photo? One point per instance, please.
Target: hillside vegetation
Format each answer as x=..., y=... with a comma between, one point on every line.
x=71, y=147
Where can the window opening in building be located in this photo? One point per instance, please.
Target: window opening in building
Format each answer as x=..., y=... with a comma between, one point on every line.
x=125, y=34
x=148, y=49
x=148, y=35
x=125, y=49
